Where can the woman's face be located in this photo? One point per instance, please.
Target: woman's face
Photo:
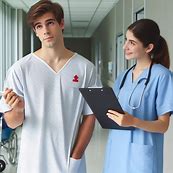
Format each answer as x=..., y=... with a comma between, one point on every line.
x=133, y=48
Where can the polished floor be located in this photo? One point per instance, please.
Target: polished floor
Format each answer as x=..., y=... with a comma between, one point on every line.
x=96, y=150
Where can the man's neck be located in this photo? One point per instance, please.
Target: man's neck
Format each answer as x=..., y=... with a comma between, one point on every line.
x=54, y=58
x=51, y=54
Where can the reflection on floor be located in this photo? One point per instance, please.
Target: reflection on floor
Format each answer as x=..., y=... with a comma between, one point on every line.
x=96, y=150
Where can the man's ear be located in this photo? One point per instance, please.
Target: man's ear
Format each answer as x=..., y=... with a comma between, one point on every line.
x=62, y=24
x=149, y=48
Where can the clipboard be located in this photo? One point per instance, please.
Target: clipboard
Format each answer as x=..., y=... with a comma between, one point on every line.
x=100, y=101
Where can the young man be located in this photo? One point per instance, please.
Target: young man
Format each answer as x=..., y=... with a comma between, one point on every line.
x=42, y=95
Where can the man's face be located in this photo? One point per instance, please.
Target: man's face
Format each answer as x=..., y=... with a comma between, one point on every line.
x=48, y=30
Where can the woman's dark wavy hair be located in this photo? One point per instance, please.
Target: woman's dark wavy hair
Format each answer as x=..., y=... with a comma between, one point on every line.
x=42, y=7
x=147, y=31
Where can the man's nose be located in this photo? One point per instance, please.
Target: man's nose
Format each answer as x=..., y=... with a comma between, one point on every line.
x=46, y=30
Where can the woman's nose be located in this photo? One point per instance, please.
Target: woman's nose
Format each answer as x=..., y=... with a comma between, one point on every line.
x=125, y=45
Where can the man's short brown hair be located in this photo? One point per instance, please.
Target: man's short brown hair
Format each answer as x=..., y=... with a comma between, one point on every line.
x=42, y=7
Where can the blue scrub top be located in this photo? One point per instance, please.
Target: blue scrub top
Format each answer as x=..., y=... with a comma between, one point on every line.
x=139, y=151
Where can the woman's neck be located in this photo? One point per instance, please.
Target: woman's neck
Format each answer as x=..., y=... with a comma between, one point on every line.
x=142, y=64
x=140, y=67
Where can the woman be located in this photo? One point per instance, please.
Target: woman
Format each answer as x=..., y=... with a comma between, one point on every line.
x=145, y=92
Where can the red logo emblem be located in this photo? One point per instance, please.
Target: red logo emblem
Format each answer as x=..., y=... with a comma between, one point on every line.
x=75, y=78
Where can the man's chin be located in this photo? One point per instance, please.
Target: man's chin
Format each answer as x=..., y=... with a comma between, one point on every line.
x=49, y=45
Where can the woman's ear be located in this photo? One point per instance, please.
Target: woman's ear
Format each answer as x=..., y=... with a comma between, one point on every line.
x=149, y=48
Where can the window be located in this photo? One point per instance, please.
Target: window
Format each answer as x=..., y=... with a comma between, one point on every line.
x=8, y=39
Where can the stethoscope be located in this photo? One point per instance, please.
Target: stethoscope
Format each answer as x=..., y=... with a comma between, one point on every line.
x=145, y=85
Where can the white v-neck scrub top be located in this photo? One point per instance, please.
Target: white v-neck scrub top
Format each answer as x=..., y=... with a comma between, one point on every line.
x=138, y=151
x=53, y=110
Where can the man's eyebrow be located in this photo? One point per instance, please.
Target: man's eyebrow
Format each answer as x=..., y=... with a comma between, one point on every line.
x=48, y=20
x=37, y=23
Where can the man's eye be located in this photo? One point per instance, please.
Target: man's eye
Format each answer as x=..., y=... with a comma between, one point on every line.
x=50, y=23
x=38, y=27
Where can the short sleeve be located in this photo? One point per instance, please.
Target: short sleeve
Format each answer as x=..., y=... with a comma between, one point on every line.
x=93, y=82
x=12, y=81
x=164, y=99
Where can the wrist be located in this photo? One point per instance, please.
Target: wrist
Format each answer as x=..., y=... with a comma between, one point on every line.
x=135, y=122
x=76, y=156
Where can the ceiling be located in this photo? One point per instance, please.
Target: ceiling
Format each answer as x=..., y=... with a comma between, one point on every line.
x=82, y=17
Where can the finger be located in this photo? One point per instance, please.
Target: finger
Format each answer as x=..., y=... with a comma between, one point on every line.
x=113, y=112
x=15, y=103
x=9, y=96
x=119, y=114
x=6, y=92
x=12, y=100
x=113, y=117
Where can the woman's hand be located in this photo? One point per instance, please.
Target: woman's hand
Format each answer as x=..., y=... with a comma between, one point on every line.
x=124, y=120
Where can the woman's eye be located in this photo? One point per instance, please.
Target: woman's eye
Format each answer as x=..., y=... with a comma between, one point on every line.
x=132, y=43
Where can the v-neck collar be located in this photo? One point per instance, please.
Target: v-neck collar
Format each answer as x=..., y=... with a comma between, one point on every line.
x=50, y=68
x=143, y=75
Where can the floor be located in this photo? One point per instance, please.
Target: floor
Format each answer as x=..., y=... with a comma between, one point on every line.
x=94, y=152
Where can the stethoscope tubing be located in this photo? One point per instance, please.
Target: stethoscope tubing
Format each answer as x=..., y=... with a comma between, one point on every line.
x=146, y=83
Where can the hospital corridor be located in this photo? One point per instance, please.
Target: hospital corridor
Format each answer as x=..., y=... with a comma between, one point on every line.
x=96, y=30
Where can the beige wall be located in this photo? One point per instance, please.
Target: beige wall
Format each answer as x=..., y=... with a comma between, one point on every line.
x=106, y=36
x=119, y=17
x=137, y=4
x=162, y=14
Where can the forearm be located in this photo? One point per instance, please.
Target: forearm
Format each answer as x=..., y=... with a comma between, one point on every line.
x=83, y=137
x=14, y=118
x=157, y=126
